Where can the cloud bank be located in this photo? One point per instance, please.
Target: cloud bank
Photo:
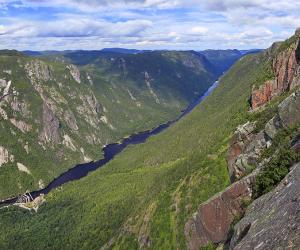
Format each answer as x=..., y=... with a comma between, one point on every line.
x=145, y=24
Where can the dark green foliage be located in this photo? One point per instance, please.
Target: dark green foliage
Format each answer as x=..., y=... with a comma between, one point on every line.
x=209, y=246
x=278, y=167
x=265, y=73
x=287, y=43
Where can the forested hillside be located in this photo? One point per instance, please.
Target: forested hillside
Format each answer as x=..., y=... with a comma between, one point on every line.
x=56, y=114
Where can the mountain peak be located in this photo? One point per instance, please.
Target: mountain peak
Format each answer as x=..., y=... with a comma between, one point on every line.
x=297, y=32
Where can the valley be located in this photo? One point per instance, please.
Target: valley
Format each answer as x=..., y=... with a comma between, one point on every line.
x=64, y=114
x=110, y=151
x=217, y=176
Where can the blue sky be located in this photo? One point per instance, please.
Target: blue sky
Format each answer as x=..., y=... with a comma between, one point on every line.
x=145, y=24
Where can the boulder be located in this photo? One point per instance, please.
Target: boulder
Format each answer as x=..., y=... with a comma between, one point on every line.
x=272, y=221
x=213, y=219
x=273, y=126
x=289, y=110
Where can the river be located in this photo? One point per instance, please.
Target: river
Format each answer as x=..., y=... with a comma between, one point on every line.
x=110, y=151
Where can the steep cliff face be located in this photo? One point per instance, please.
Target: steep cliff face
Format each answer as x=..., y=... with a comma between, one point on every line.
x=271, y=221
x=286, y=68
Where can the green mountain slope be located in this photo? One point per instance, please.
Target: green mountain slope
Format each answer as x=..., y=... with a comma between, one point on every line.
x=222, y=59
x=57, y=114
x=143, y=197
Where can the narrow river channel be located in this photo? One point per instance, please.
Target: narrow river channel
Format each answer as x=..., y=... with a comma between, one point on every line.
x=110, y=151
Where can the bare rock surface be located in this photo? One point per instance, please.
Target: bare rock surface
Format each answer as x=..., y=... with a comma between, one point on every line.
x=244, y=150
x=286, y=67
x=70, y=119
x=289, y=110
x=75, y=73
x=4, y=156
x=273, y=220
x=21, y=125
x=211, y=222
x=38, y=70
x=50, y=132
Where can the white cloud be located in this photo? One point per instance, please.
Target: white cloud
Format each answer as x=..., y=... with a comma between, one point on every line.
x=75, y=27
x=178, y=24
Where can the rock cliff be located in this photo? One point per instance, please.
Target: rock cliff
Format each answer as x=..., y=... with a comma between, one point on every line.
x=286, y=68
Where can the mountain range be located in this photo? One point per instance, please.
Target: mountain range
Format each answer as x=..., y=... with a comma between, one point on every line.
x=225, y=176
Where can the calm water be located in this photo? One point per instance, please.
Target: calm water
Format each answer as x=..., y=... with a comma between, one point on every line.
x=110, y=151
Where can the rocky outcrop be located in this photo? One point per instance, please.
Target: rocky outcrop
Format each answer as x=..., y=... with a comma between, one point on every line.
x=212, y=221
x=148, y=80
x=289, y=110
x=4, y=156
x=68, y=142
x=51, y=125
x=245, y=146
x=244, y=150
x=272, y=127
x=286, y=69
x=75, y=72
x=6, y=86
x=23, y=168
x=21, y=125
x=70, y=119
x=272, y=221
x=262, y=95
x=20, y=106
x=93, y=103
x=39, y=70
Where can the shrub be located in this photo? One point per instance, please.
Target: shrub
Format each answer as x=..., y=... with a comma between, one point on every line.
x=275, y=171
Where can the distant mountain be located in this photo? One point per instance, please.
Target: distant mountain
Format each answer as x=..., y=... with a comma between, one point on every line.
x=7, y=52
x=250, y=51
x=222, y=59
x=122, y=50
x=45, y=52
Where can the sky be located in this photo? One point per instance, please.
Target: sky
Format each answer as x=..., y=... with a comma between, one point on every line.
x=145, y=24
